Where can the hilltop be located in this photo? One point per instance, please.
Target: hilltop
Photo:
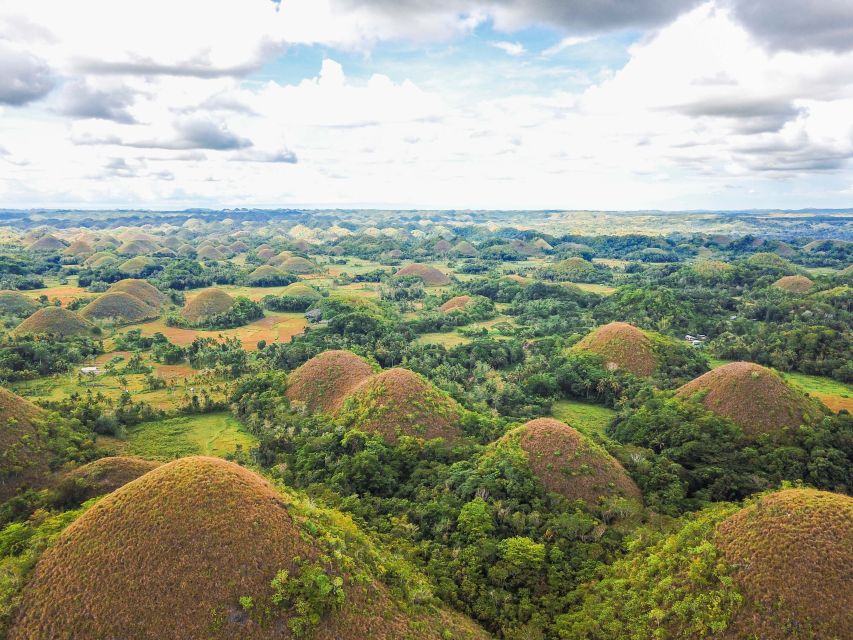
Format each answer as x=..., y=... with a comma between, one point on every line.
x=568, y=463
x=107, y=474
x=214, y=551
x=400, y=402
x=323, y=382
x=755, y=397
x=455, y=304
x=15, y=303
x=207, y=303
x=622, y=346
x=141, y=289
x=118, y=307
x=794, y=284
x=431, y=276
x=55, y=320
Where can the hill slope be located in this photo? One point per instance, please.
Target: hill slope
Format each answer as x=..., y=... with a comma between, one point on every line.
x=23, y=462
x=622, y=346
x=118, y=307
x=55, y=320
x=191, y=550
x=325, y=380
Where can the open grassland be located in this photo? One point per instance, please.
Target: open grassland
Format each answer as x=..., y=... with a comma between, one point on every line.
x=589, y=287
x=275, y=327
x=448, y=340
x=835, y=395
x=65, y=292
x=212, y=434
x=583, y=416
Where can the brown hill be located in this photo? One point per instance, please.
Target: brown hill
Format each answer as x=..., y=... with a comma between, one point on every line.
x=792, y=558
x=137, y=247
x=794, y=284
x=568, y=463
x=263, y=274
x=455, y=304
x=207, y=303
x=55, y=320
x=141, y=289
x=238, y=246
x=431, y=276
x=118, y=307
x=622, y=346
x=15, y=303
x=175, y=554
x=300, y=290
x=47, y=243
x=400, y=402
x=135, y=266
x=210, y=253
x=23, y=463
x=465, y=249
x=78, y=248
x=324, y=382
x=442, y=246
x=754, y=397
x=265, y=253
x=108, y=474
x=295, y=264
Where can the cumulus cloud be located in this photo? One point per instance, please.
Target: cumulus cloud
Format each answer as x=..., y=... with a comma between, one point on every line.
x=24, y=78
x=82, y=100
x=798, y=26
x=283, y=155
x=197, y=133
x=510, y=48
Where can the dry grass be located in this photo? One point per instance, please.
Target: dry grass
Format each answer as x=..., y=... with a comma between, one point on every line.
x=141, y=289
x=400, y=402
x=264, y=273
x=465, y=249
x=205, y=304
x=22, y=461
x=455, y=304
x=275, y=327
x=78, y=248
x=323, y=382
x=756, y=398
x=137, y=247
x=794, y=284
x=47, y=243
x=55, y=320
x=298, y=265
x=15, y=303
x=136, y=265
x=792, y=557
x=169, y=556
x=210, y=253
x=569, y=464
x=431, y=276
x=622, y=346
x=108, y=474
x=120, y=308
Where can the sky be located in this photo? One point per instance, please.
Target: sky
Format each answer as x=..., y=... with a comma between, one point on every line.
x=427, y=104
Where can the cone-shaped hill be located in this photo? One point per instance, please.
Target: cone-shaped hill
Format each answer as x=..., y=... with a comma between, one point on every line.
x=400, y=402
x=754, y=397
x=295, y=264
x=794, y=284
x=431, y=276
x=108, y=474
x=459, y=303
x=792, y=558
x=15, y=303
x=118, y=307
x=192, y=538
x=324, y=382
x=148, y=293
x=47, y=243
x=23, y=462
x=568, y=463
x=207, y=303
x=55, y=320
x=622, y=346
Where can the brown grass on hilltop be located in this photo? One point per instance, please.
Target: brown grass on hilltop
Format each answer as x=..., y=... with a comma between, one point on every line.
x=207, y=303
x=792, y=557
x=298, y=265
x=15, y=303
x=794, y=284
x=324, y=382
x=754, y=397
x=455, y=304
x=148, y=293
x=570, y=464
x=210, y=253
x=47, y=243
x=22, y=461
x=238, y=246
x=108, y=474
x=465, y=249
x=78, y=248
x=137, y=247
x=430, y=275
x=622, y=345
x=119, y=307
x=264, y=273
x=170, y=554
x=136, y=265
x=401, y=402
x=300, y=290
x=55, y=320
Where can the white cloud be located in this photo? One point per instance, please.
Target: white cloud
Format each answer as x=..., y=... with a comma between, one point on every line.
x=566, y=43
x=510, y=48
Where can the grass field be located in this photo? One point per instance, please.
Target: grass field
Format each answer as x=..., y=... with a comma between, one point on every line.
x=583, y=416
x=65, y=292
x=448, y=340
x=212, y=434
x=835, y=395
x=600, y=289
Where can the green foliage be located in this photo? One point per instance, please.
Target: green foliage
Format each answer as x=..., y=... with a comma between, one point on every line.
x=674, y=587
x=307, y=596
